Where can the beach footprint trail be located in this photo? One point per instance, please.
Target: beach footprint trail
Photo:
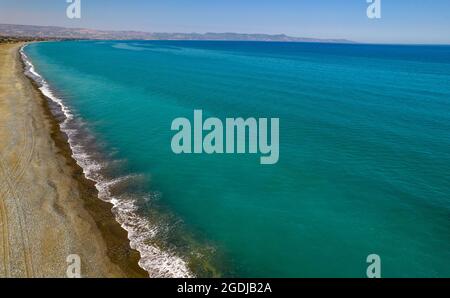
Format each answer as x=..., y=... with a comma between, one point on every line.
x=16, y=151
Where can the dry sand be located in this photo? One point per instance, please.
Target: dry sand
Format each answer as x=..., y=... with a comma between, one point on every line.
x=48, y=210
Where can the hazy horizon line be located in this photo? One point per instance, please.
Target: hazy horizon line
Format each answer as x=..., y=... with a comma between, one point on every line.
x=229, y=32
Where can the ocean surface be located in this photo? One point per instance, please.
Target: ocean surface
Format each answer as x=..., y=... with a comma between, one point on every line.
x=364, y=162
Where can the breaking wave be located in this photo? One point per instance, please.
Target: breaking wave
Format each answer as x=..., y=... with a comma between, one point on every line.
x=157, y=262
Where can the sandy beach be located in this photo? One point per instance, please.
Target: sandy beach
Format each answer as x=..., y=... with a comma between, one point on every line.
x=48, y=210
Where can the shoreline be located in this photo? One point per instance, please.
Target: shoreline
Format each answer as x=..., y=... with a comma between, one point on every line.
x=93, y=163
x=85, y=224
x=115, y=238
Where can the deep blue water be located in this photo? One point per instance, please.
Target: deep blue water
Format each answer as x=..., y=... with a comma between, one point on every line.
x=364, y=149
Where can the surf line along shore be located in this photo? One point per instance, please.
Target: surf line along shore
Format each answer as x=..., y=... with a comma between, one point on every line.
x=48, y=209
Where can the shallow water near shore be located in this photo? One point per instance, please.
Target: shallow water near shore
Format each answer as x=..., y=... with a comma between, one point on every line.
x=364, y=161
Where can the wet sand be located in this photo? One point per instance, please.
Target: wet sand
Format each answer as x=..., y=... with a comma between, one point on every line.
x=48, y=209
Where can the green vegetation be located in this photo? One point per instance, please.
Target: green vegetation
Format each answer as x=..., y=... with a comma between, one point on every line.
x=11, y=39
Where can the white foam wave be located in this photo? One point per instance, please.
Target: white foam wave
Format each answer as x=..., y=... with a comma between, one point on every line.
x=157, y=262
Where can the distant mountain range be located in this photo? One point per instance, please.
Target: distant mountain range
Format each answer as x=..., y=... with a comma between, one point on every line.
x=51, y=32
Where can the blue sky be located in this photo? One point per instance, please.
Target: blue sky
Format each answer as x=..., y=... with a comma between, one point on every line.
x=403, y=21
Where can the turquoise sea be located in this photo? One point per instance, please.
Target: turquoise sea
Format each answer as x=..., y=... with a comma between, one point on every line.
x=364, y=162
